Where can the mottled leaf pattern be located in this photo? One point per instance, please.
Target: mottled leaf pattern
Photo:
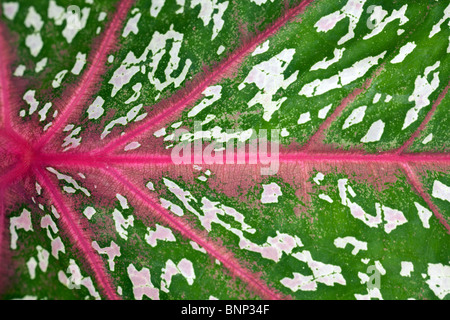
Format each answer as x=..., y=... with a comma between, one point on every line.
x=94, y=95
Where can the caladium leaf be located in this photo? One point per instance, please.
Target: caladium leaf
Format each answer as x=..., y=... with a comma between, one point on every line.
x=100, y=102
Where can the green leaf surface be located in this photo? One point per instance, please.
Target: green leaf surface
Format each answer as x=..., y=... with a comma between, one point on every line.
x=97, y=97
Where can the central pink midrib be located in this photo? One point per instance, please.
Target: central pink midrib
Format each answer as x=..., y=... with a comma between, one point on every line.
x=391, y=158
x=88, y=160
x=228, y=261
x=212, y=77
x=363, y=157
x=86, y=83
x=79, y=238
